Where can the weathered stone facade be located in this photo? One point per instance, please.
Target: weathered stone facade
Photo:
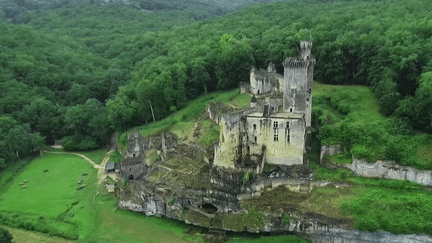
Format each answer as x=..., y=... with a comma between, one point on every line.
x=274, y=130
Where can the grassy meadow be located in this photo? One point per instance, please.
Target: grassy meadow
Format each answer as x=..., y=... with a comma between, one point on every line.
x=50, y=209
x=51, y=204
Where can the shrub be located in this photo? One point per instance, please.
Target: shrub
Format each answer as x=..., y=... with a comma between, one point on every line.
x=5, y=236
x=286, y=218
x=33, y=222
x=361, y=152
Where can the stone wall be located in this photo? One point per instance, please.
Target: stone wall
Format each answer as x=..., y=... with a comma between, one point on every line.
x=390, y=170
x=327, y=150
x=261, y=130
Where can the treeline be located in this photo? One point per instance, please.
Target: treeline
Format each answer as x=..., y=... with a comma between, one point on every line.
x=61, y=69
x=50, y=88
x=382, y=44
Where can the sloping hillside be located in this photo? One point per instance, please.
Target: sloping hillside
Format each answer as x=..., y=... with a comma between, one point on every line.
x=349, y=116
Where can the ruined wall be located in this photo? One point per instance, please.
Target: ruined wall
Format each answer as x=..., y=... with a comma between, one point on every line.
x=309, y=89
x=390, y=170
x=264, y=82
x=227, y=150
x=137, y=145
x=133, y=172
x=262, y=131
x=327, y=150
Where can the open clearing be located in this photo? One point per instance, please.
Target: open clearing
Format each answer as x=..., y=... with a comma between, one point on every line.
x=53, y=194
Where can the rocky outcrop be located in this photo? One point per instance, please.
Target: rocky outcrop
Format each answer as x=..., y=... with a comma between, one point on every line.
x=327, y=150
x=356, y=236
x=314, y=227
x=390, y=170
x=183, y=186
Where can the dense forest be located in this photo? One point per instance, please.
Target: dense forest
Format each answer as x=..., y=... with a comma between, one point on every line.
x=80, y=71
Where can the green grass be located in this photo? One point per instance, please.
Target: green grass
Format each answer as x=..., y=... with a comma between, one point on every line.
x=182, y=121
x=349, y=116
x=115, y=157
x=358, y=102
x=211, y=132
x=22, y=236
x=48, y=193
x=397, y=211
x=182, y=129
x=39, y=223
x=53, y=195
x=96, y=155
x=7, y=176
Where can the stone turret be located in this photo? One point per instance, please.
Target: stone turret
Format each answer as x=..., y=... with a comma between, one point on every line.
x=298, y=81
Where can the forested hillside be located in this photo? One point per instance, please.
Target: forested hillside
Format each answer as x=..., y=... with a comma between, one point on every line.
x=80, y=71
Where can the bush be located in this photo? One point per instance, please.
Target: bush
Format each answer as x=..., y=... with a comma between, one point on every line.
x=361, y=152
x=34, y=222
x=395, y=210
x=286, y=218
x=71, y=143
x=5, y=236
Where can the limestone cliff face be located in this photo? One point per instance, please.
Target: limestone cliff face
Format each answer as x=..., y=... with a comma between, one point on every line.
x=178, y=181
x=380, y=169
x=390, y=170
x=314, y=227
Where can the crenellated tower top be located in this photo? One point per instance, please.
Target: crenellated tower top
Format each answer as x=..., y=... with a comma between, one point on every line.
x=305, y=47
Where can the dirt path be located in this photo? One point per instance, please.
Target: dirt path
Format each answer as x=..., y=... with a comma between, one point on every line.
x=101, y=168
x=80, y=155
x=101, y=171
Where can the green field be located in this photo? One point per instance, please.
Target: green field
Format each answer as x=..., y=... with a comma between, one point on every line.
x=51, y=198
x=48, y=193
x=51, y=204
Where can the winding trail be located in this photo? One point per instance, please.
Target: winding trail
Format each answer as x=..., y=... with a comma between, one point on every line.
x=101, y=171
x=101, y=168
x=96, y=166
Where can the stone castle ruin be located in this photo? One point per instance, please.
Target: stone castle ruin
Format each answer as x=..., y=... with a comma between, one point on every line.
x=276, y=127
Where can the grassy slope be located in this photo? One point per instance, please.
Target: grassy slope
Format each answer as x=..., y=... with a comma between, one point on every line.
x=182, y=122
x=359, y=99
x=396, y=206
x=349, y=115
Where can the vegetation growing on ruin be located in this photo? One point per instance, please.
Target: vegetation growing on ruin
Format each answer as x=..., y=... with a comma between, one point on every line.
x=193, y=117
x=253, y=218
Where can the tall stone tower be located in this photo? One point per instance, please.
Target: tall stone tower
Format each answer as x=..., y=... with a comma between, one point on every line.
x=298, y=81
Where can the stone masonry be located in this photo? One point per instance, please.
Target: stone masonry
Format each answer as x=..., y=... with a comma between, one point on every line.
x=274, y=131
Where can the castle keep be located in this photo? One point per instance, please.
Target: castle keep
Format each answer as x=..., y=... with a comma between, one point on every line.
x=275, y=129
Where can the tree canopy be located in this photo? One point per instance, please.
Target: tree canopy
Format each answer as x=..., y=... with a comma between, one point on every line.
x=79, y=71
